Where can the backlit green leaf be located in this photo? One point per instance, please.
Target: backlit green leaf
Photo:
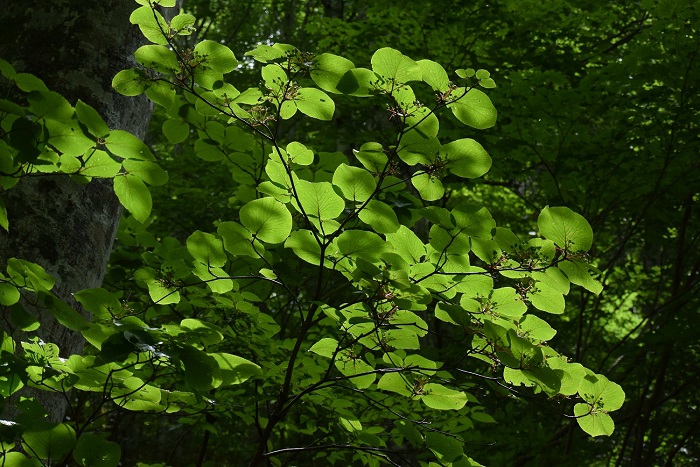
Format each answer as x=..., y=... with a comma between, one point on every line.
x=267, y=219
x=473, y=108
x=355, y=183
x=395, y=67
x=128, y=146
x=565, y=228
x=466, y=158
x=215, y=56
x=134, y=196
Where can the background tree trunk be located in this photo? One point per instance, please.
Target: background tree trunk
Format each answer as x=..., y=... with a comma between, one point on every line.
x=76, y=47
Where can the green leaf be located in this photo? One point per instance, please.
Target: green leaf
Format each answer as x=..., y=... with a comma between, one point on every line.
x=595, y=424
x=356, y=366
x=319, y=201
x=157, y=57
x=565, y=228
x=63, y=313
x=94, y=450
x=357, y=82
x=17, y=459
x=394, y=66
x=124, y=144
x=579, y=273
x=92, y=120
x=100, y=302
x=4, y=223
x=202, y=371
x=161, y=93
x=49, y=441
x=473, y=219
x=163, y=3
x=314, y=103
x=68, y=137
x=434, y=75
x=39, y=279
x=267, y=219
x=100, y=164
x=215, y=56
x=446, y=448
x=536, y=328
x=474, y=109
x=130, y=82
x=183, y=24
x=7, y=70
x=300, y=154
x=9, y=295
x=328, y=70
x=418, y=148
x=546, y=299
x=206, y=248
x=266, y=53
x=151, y=23
x=437, y=396
x=407, y=244
x=305, y=246
x=176, y=131
x=355, y=183
x=50, y=105
x=146, y=171
x=28, y=82
x=234, y=369
x=380, y=216
x=429, y=188
x=360, y=244
x=134, y=196
x=238, y=240
x=466, y=158
x=601, y=393
x=326, y=347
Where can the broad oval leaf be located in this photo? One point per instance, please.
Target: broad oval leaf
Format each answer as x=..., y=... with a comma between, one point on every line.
x=565, y=228
x=437, y=396
x=267, y=219
x=355, y=183
x=466, y=158
x=474, y=109
x=215, y=56
x=395, y=66
x=315, y=103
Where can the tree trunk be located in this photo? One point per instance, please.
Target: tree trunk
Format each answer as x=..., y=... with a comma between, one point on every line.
x=76, y=47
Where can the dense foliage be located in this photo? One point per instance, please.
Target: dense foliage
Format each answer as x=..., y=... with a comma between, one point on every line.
x=309, y=261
